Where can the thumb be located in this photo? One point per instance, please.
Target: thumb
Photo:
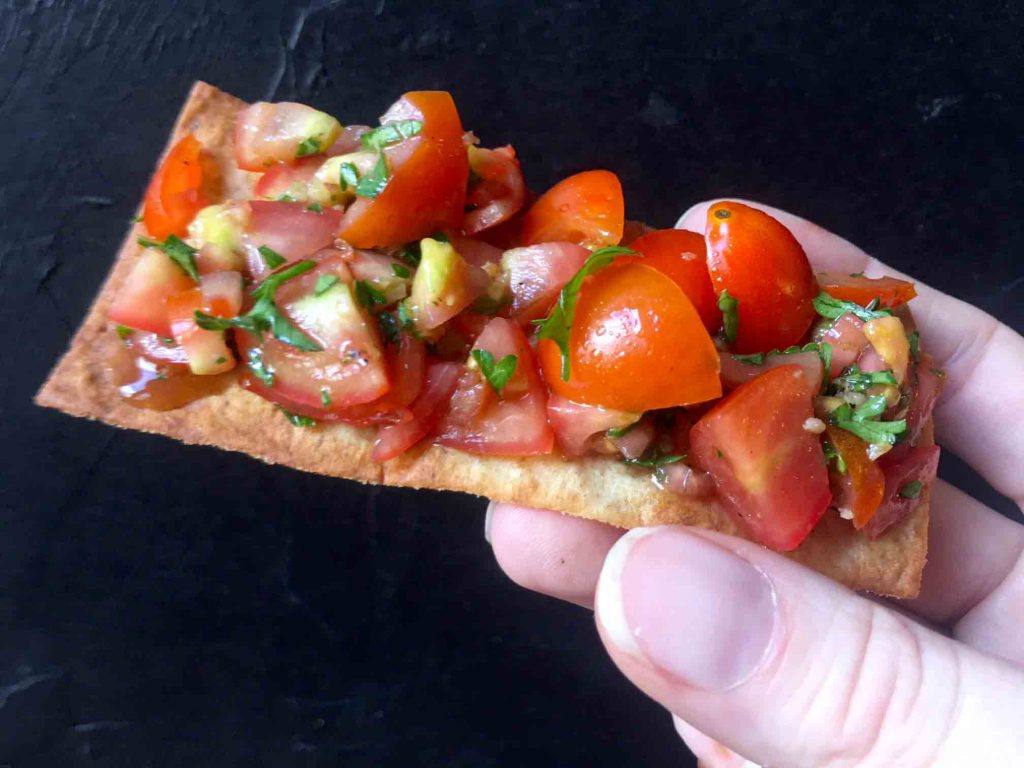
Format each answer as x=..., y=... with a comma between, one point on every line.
x=788, y=668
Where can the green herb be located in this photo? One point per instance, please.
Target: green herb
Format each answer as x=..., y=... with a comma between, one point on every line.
x=390, y=133
x=616, y=432
x=831, y=454
x=325, y=397
x=372, y=185
x=557, y=326
x=497, y=374
x=270, y=257
x=410, y=254
x=123, y=331
x=389, y=327
x=180, y=252
x=440, y=236
x=324, y=283
x=168, y=341
x=400, y=271
x=315, y=208
x=405, y=319
x=265, y=315
x=719, y=454
x=286, y=198
x=310, y=146
x=260, y=369
x=860, y=423
x=825, y=353
x=912, y=489
x=221, y=360
x=137, y=218
x=474, y=179
x=349, y=176
x=856, y=274
x=833, y=309
x=729, y=306
x=368, y=295
x=297, y=420
x=655, y=459
x=853, y=380
x=757, y=358
x=914, y=338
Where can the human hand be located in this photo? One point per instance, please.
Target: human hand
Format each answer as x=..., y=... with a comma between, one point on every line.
x=747, y=648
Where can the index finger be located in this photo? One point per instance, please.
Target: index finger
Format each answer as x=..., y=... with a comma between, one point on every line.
x=984, y=358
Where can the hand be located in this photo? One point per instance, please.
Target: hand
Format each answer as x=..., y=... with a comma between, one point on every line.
x=786, y=667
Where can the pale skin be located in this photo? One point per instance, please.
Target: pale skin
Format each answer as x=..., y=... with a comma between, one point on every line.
x=754, y=655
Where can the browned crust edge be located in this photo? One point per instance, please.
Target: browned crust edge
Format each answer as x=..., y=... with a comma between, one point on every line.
x=594, y=488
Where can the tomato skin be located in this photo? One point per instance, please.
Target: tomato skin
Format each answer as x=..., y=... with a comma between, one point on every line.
x=586, y=209
x=537, y=273
x=500, y=192
x=890, y=291
x=769, y=470
x=579, y=429
x=479, y=421
x=636, y=344
x=207, y=351
x=427, y=188
x=736, y=372
x=682, y=256
x=920, y=465
x=394, y=439
x=762, y=265
x=290, y=229
x=861, y=487
x=141, y=300
x=174, y=195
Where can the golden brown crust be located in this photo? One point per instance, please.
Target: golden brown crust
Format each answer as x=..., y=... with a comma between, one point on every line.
x=595, y=488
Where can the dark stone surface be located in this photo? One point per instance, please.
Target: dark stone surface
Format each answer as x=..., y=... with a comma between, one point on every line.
x=168, y=606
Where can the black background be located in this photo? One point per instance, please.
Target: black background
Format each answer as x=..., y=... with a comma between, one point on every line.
x=167, y=606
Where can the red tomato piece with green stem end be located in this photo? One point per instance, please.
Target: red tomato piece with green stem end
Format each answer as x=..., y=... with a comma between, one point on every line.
x=426, y=189
x=586, y=209
x=636, y=344
x=174, y=195
x=769, y=470
x=682, y=256
x=759, y=262
x=890, y=291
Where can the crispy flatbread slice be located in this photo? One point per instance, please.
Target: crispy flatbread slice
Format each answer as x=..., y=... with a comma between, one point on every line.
x=595, y=488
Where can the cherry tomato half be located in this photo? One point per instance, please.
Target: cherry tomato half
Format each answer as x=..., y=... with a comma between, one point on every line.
x=174, y=195
x=636, y=344
x=890, y=291
x=763, y=267
x=586, y=209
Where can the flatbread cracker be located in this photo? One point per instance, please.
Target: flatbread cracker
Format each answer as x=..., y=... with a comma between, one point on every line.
x=596, y=488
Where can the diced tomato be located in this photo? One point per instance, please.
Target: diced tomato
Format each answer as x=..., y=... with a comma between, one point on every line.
x=682, y=256
x=736, y=372
x=508, y=234
x=579, y=428
x=759, y=262
x=394, y=439
x=141, y=300
x=426, y=190
x=174, y=195
x=770, y=471
x=919, y=465
x=219, y=294
x=847, y=339
x=351, y=368
x=349, y=140
x=296, y=180
x=890, y=341
x=379, y=271
x=860, y=488
x=211, y=258
x=290, y=229
x=925, y=381
x=500, y=191
x=586, y=209
x=268, y=133
x=890, y=291
x=514, y=424
x=443, y=286
x=537, y=273
x=636, y=344
x=633, y=231
x=474, y=251
x=684, y=480
x=634, y=444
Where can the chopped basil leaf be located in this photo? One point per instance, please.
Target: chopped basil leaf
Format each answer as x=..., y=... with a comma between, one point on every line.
x=833, y=309
x=325, y=397
x=757, y=358
x=719, y=454
x=349, y=176
x=367, y=295
x=474, y=179
x=616, y=432
x=831, y=454
x=405, y=319
x=310, y=146
x=400, y=271
x=410, y=254
x=260, y=369
x=497, y=374
x=297, y=420
x=270, y=257
x=137, y=218
x=860, y=423
x=391, y=133
x=221, y=360
x=729, y=306
x=324, y=283
x=914, y=338
x=372, y=185
x=558, y=324
x=389, y=327
x=856, y=274
x=265, y=315
x=315, y=208
x=853, y=380
x=180, y=252
x=825, y=353
x=654, y=458
x=286, y=198
x=912, y=489
x=123, y=331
